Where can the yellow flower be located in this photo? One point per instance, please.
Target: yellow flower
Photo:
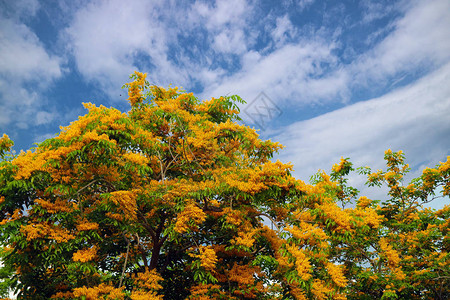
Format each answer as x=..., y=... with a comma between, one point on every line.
x=148, y=280
x=191, y=214
x=302, y=264
x=363, y=201
x=136, y=158
x=391, y=255
x=320, y=290
x=87, y=226
x=126, y=200
x=6, y=142
x=336, y=273
x=135, y=88
x=207, y=257
x=85, y=255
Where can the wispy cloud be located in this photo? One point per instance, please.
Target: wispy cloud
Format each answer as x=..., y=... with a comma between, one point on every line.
x=26, y=70
x=283, y=30
x=375, y=10
x=413, y=119
x=419, y=41
x=308, y=70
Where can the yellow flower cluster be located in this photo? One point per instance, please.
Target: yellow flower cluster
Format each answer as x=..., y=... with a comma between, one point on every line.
x=85, y=255
x=27, y=163
x=6, y=142
x=244, y=182
x=429, y=176
x=207, y=256
x=320, y=290
x=363, y=201
x=337, y=215
x=63, y=295
x=91, y=136
x=245, y=237
x=255, y=180
x=76, y=127
x=298, y=293
x=136, y=158
x=85, y=226
x=366, y=216
x=391, y=255
x=142, y=295
x=106, y=117
x=135, y=88
x=17, y=214
x=337, y=275
x=201, y=291
x=444, y=166
x=232, y=216
x=148, y=280
x=373, y=177
x=58, y=205
x=190, y=214
x=97, y=292
x=302, y=264
x=242, y=274
x=35, y=231
x=309, y=234
x=126, y=200
x=338, y=167
x=272, y=236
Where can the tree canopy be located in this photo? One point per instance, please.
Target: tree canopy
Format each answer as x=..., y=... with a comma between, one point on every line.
x=176, y=199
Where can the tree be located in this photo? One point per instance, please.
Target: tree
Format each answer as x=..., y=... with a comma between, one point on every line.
x=406, y=255
x=176, y=200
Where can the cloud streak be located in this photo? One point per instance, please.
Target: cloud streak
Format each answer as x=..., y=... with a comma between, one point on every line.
x=413, y=119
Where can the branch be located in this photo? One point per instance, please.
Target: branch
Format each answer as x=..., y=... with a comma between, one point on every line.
x=270, y=218
x=161, y=166
x=126, y=260
x=146, y=225
x=144, y=257
x=441, y=277
x=86, y=186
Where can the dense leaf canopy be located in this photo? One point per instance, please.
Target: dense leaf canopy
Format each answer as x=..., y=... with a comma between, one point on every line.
x=175, y=199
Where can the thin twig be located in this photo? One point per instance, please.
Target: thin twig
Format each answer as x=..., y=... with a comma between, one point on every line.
x=126, y=260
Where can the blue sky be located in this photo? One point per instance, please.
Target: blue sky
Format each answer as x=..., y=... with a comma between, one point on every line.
x=342, y=78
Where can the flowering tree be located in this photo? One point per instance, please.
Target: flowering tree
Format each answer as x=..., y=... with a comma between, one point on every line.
x=176, y=200
x=405, y=256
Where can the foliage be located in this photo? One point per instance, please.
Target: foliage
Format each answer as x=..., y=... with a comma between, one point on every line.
x=172, y=200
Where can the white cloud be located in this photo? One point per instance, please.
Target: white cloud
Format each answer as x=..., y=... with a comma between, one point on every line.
x=43, y=137
x=222, y=13
x=225, y=22
x=290, y=74
x=23, y=56
x=26, y=70
x=44, y=117
x=420, y=39
x=230, y=41
x=413, y=119
x=111, y=39
x=375, y=10
x=20, y=8
x=309, y=70
x=283, y=30
x=302, y=4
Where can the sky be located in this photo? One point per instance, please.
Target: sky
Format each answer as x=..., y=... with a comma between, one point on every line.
x=327, y=79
